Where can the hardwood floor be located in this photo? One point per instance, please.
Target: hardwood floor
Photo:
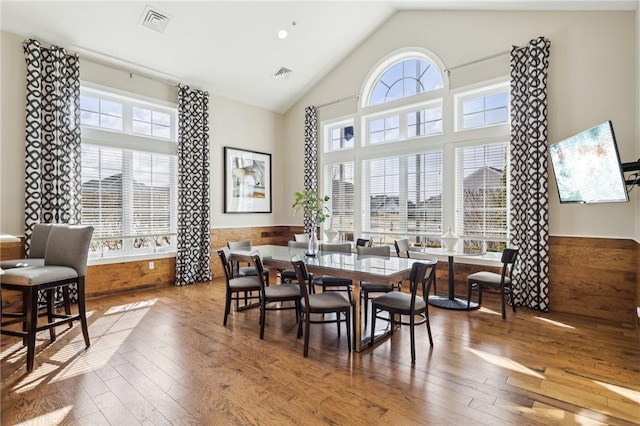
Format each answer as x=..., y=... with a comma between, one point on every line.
x=163, y=357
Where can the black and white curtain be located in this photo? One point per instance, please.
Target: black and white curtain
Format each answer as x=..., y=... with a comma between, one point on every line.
x=193, y=259
x=52, y=160
x=529, y=179
x=310, y=158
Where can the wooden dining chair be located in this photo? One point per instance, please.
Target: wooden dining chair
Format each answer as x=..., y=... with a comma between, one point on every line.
x=274, y=297
x=330, y=282
x=495, y=283
x=367, y=287
x=237, y=288
x=411, y=305
x=321, y=303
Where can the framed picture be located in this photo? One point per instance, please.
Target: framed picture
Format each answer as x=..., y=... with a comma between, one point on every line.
x=247, y=181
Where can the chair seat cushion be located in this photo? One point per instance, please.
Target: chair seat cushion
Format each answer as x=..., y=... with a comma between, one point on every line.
x=282, y=291
x=375, y=287
x=21, y=263
x=489, y=278
x=326, y=301
x=329, y=281
x=398, y=302
x=245, y=283
x=247, y=271
x=36, y=275
x=288, y=274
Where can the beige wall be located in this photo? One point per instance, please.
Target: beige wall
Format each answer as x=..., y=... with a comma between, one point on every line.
x=231, y=124
x=592, y=78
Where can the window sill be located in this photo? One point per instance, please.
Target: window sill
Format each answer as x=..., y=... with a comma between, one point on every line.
x=130, y=258
x=488, y=259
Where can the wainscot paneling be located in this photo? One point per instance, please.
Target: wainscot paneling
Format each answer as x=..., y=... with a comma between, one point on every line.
x=127, y=276
x=595, y=277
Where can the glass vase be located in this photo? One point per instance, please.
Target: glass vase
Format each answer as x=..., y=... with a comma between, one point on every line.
x=312, y=250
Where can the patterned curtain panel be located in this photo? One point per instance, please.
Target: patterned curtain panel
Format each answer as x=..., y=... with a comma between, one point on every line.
x=52, y=160
x=310, y=157
x=529, y=180
x=193, y=260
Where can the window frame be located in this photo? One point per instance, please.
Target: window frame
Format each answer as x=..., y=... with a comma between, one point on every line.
x=128, y=143
x=477, y=91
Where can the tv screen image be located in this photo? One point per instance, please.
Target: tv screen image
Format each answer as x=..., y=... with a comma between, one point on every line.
x=587, y=167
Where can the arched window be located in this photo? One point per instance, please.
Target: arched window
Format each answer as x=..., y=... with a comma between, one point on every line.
x=405, y=77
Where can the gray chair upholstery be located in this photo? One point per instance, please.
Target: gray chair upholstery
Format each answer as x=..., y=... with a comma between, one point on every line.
x=496, y=283
x=287, y=292
x=65, y=264
x=398, y=303
x=35, y=257
x=289, y=275
x=402, y=247
x=303, y=238
x=322, y=303
x=237, y=288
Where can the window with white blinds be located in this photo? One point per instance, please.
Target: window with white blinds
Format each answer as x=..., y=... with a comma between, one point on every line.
x=481, y=196
x=339, y=184
x=129, y=195
x=403, y=196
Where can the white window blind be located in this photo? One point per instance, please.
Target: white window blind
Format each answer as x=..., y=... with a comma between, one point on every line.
x=481, y=196
x=402, y=196
x=129, y=195
x=340, y=185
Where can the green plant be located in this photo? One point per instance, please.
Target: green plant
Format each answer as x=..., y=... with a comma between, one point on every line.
x=313, y=206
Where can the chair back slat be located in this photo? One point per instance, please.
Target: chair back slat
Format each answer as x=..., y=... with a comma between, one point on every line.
x=225, y=255
x=338, y=248
x=256, y=258
x=239, y=245
x=421, y=274
x=379, y=251
x=303, y=279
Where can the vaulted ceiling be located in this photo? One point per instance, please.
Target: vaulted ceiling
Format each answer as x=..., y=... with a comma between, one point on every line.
x=231, y=48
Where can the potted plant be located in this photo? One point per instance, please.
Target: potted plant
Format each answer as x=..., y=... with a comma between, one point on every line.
x=315, y=209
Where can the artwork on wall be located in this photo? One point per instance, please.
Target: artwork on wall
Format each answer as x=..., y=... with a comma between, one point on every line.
x=247, y=181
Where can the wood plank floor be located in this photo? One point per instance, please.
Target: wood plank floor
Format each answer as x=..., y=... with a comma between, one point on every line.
x=161, y=357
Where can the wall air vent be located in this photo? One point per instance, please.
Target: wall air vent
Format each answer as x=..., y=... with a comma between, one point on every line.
x=282, y=74
x=154, y=19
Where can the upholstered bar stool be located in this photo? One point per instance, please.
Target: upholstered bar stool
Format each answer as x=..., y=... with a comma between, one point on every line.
x=37, y=248
x=65, y=263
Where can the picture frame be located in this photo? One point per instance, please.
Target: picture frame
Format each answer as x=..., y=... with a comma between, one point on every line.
x=247, y=181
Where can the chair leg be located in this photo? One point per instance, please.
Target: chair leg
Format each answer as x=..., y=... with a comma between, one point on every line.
x=82, y=311
x=263, y=314
x=412, y=332
x=338, y=321
x=227, y=308
x=469, y=285
x=300, y=325
x=504, y=314
x=67, y=303
x=349, y=329
x=51, y=305
x=306, y=337
x=373, y=324
x=428, y=328
x=32, y=320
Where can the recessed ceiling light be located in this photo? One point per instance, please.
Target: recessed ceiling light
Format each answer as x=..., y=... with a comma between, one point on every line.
x=282, y=34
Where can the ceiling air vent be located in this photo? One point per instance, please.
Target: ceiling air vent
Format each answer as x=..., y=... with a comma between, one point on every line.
x=154, y=19
x=282, y=74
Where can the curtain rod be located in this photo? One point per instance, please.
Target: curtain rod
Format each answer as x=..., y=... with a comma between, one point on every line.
x=166, y=83
x=486, y=58
x=337, y=101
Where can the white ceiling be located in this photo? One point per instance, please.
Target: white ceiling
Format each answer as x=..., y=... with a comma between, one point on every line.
x=230, y=48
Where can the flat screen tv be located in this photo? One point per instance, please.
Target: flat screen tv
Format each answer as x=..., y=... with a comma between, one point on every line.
x=587, y=167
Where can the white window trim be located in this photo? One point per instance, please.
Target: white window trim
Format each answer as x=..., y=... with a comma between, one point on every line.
x=489, y=88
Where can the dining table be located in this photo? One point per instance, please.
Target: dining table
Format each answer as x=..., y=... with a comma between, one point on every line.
x=356, y=267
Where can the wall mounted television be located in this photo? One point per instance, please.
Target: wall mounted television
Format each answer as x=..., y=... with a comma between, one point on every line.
x=587, y=167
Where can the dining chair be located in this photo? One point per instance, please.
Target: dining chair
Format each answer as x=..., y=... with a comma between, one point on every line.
x=274, y=297
x=411, y=305
x=65, y=264
x=289, y=275
x=403, y=249
x=244, y=271
x=364, y=242
x=495, y=283
x=329, y=282
x=303, y=238
x=367, y=287
x=321, y=303
x=237, y=285
x=37, y=248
